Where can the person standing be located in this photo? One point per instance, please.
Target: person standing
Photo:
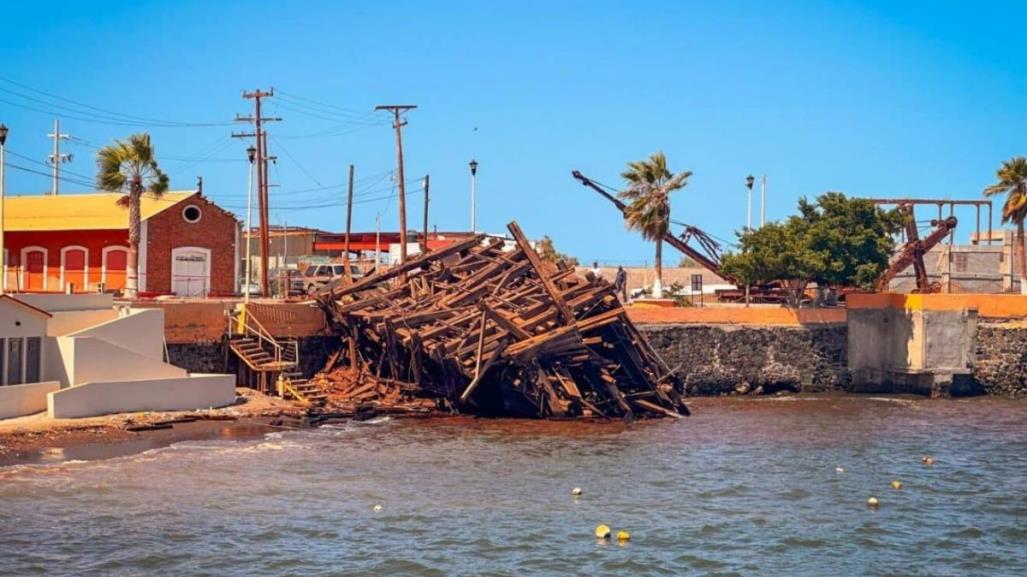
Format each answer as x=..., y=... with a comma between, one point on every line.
x=620, y=283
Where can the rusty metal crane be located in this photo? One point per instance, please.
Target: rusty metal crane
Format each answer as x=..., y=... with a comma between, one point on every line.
x=707, y=256
x=913, y=251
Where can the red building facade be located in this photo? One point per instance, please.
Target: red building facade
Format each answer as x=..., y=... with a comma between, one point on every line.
x=189, y=246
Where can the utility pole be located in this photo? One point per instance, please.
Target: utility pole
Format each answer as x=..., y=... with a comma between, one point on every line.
x=427, y=183
x=3, y=192
x=57, y=159
x=251, y=155
x=262, y=157
x=349, y=221
x=377, y=240
x=398, y=124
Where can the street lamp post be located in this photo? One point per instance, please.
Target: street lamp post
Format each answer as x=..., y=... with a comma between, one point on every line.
x=749, y=180
x=763, y=201
x=3, y=191
x=251, y=154
x=474, y=195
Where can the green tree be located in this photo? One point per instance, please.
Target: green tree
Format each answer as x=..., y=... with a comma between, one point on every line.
x=834, y=241
x=650, y=183
x=1012, y=181
x=547, y=250
x=129, y=167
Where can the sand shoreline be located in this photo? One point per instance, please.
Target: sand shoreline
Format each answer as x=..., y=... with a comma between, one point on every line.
x=38, y=439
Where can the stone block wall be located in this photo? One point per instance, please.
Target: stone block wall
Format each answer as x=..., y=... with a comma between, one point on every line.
x=1000, y=358
x=719, y=359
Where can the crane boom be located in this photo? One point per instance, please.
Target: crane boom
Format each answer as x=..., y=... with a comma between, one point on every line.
x=711, y=264
x=912, y=253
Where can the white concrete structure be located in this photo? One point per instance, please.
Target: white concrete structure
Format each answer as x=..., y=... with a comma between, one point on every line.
x=93, y=359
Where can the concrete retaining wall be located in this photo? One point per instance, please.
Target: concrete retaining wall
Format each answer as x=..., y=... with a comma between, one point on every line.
x=174, y=394
x=718, y=359
x=20, y=400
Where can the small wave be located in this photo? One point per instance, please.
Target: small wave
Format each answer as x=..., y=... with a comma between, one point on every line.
x=375, y=421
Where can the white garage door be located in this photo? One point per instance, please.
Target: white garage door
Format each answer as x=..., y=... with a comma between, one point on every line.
x=190, y=271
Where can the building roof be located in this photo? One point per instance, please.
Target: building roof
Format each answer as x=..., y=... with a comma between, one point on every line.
x=96, y=211
x=23, y=304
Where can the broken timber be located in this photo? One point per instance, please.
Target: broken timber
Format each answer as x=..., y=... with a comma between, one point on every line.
x=489, y=331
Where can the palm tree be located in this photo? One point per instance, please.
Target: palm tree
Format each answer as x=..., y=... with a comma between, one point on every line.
x=1012, y=181
x=648, y=199
x=129, y=167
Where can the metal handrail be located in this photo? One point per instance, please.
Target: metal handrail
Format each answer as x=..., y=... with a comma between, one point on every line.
x=261, y=333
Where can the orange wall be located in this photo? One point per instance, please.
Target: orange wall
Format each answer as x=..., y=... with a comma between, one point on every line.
x=733, y=315
x=987, y=305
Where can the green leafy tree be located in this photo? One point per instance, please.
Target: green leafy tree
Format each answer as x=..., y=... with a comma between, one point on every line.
x=1012, y=182
x=650, y=183
x=129, y=167
x=834, y=241
x=547, y=250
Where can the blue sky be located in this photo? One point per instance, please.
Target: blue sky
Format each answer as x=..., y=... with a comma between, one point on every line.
x=869, y=98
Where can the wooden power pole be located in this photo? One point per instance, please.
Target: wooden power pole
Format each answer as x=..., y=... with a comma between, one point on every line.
x=349, y=221
x=258, y=120
x=398, y=123
x=424, y=234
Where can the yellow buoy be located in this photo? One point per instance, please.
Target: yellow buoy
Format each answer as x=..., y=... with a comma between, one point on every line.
x=896, y=484
x=872, y=502
x=576, y=491
x=603, y=532
x=623, y=536
x=927, y=460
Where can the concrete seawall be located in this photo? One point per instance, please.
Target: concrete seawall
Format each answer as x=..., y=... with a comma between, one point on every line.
x=883, y=343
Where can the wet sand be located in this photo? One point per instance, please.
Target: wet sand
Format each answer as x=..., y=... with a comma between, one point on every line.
x=38, y=439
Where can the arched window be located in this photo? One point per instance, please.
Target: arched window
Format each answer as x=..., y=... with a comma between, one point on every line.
x=74, y=268
x=33, y=268
x=115, y=263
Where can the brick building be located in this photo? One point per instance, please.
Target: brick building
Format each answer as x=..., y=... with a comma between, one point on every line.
x=189, y=246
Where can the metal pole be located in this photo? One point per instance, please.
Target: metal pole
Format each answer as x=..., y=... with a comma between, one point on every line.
x=978, y=224
x=284, y=268
x=748, y=212
x=763, y=201
x=377, y=240
x=474, y=195
x=989, y=223
x=249, y=231
x=3, y=191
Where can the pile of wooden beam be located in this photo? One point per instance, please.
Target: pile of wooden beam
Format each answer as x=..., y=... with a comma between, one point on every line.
x=486, y=329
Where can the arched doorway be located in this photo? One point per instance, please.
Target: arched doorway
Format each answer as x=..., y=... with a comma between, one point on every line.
x=74, y=268
x=115, y=261
x=33, y=268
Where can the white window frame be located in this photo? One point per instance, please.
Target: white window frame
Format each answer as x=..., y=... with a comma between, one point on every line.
x=103, y=260
x=85, y=265
x=24, y=262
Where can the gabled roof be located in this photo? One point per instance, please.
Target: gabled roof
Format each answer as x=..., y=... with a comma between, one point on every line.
x=95, y=211
x=30, y=308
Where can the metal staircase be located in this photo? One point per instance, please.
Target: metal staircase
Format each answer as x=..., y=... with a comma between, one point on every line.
x=268, y=364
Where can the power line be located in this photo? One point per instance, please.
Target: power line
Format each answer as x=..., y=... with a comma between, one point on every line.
x=109, y=116
x=50, y=175
x=314, y=104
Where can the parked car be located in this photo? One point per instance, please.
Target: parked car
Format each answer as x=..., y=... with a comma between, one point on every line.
x=318, y=275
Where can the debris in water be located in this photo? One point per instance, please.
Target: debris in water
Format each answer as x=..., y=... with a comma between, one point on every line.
x=896, y=484
x=480, y=327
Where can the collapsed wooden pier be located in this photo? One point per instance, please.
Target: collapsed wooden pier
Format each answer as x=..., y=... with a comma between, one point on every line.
x=484, y=328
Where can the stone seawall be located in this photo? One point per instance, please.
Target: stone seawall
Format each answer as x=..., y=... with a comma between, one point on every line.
x=719, y=359
x=1000, y=358
x=212, y=357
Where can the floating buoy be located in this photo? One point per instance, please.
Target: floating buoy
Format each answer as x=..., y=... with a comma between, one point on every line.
x=576, y=491
x=872, y=502
x=623, y=536
x=376, y=508
x=603, y=532
x=896, y=484
x=839, y=469
x=927, y=460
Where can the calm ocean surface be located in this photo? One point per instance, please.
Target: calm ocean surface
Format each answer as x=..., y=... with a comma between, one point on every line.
x=744, y=487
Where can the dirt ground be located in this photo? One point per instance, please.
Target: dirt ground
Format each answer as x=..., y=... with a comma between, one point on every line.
x=34, y=437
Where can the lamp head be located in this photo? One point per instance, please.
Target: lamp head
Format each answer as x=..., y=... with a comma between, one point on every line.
x=474, y=167
x=749, y=180
x=251, y=153
x=3, y=134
